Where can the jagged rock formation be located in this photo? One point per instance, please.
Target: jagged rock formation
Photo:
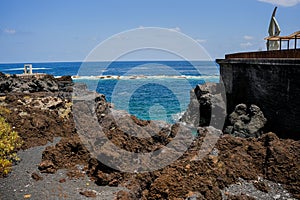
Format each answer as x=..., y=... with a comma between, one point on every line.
x=111, y=132
x=32, y=84
x=207, y=106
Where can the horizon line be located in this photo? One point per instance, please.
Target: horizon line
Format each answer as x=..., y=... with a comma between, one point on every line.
x=32, y=62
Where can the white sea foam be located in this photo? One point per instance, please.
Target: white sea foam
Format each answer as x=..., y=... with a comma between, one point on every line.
x=146, y=77
x=21, y=68
x=176, y=117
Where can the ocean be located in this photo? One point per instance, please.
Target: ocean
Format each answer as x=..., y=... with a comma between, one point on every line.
x=156, y=90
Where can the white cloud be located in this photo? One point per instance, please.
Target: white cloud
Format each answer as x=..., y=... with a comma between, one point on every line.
x=247, y=44
x=286, y=3
x=248, y=37
x=201, y=41
x=9, y=31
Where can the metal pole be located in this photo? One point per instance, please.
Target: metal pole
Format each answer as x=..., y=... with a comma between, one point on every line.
x=280, y=44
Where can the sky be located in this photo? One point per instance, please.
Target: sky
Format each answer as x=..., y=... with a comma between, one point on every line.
x=68, y=30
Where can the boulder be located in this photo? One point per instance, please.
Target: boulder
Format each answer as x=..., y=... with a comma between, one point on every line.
x=246, y=122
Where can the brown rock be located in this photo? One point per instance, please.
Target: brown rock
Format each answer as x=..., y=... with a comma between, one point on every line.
x=47, y=166
x=63, y=180
x=114, y=182
x=89, y=194
x=214, y=159
x=124, y=195
x=36, y=177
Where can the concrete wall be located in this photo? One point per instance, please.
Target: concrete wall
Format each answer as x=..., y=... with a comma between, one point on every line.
x=271, y=84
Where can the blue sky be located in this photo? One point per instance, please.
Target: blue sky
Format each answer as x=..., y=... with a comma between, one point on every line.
x=65, y=30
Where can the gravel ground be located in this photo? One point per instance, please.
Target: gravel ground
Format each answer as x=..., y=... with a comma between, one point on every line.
x=20, y=185
x=276, y=191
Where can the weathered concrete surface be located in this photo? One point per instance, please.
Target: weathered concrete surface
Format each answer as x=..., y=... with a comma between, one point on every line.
x=271, y=84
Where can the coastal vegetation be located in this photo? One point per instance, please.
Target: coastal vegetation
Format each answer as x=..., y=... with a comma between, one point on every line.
x=9, y=142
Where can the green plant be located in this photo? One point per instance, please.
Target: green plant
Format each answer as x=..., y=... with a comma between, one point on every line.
x=4, y=111
x=9, y=142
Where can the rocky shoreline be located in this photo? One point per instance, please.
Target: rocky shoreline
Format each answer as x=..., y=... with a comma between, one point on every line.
x=43, y=109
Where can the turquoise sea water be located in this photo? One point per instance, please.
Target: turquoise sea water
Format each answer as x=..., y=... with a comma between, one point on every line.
x=157, y=90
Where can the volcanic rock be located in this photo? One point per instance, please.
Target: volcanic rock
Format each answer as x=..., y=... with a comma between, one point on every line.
x=30, y=84
x=47, y=166
x=88, y=193
x=244, y=122
x=207, y=106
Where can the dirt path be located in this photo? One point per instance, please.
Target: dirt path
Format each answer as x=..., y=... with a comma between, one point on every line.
x=20, y=184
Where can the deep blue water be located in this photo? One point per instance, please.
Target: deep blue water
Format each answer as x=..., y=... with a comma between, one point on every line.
x=163, y=95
